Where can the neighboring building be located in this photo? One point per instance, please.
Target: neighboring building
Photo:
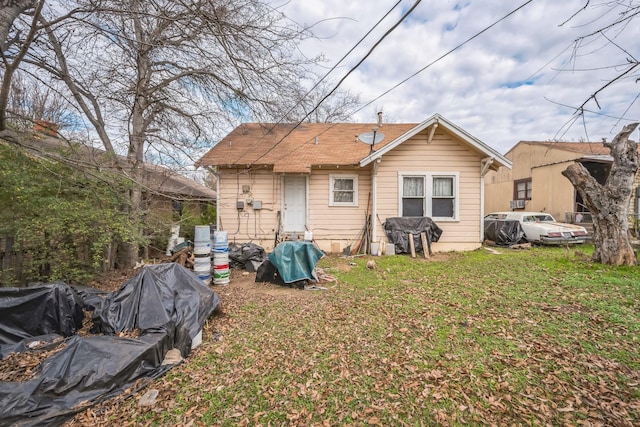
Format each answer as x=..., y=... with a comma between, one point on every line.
x=535, y=182
x=283, y=180
x=165, y=192
x=168, y=196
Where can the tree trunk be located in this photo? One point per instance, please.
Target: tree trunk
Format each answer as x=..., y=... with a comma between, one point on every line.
x=9, y=11
x=609, y=203
x=137, y=135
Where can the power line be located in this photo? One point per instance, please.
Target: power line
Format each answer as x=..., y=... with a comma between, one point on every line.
x=336, y=65
x=445, y=55
x=411, y=76
x=414, y=74
x=343, y=78
x=441, y=57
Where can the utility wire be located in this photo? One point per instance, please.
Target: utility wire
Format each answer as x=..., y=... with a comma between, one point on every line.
x=441, y=57
x=336, y=65
x=342, y=80
x=419, y=71
x=445, y=55
x=323, y=78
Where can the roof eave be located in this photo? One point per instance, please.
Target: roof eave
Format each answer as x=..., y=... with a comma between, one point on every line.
x=499, y=159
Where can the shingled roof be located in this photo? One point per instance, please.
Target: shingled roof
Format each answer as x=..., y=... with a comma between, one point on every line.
x=157, y=179
x=586, y=148
x=296, y=149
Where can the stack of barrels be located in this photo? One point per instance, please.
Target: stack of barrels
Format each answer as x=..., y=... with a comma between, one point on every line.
x=220, y=258
x=202, y=253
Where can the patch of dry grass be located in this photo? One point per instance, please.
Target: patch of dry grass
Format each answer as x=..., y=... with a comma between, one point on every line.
x=526, y=338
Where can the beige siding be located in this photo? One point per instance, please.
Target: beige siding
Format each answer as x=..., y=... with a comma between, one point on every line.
x=249, y=224
x=335, y=227
x=443, y=154
x=551, y=192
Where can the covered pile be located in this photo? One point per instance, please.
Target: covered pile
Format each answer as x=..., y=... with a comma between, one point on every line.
x=166, y=303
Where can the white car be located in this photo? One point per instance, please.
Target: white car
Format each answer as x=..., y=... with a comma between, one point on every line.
x=542, y=228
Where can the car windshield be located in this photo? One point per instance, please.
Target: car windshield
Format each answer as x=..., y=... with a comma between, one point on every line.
x=538, y=218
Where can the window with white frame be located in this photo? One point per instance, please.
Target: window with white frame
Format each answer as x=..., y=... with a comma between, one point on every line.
x=413, y=197
x=427, y=194
x=442, y=198
x=343, y=190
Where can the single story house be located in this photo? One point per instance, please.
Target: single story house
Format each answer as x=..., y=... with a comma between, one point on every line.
x=329, y=179
x=535, y=181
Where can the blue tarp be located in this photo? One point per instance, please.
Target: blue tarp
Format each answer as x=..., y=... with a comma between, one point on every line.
x=296, y=260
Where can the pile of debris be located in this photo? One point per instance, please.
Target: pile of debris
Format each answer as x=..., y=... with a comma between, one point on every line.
x=59, y=372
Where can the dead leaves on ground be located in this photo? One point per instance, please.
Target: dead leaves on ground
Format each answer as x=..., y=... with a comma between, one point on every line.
x=400, y=356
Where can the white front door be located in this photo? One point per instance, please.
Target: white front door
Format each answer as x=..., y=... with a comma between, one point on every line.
x=294, y=203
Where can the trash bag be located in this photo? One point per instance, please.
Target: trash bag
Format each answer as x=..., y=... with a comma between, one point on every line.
x=247, y=256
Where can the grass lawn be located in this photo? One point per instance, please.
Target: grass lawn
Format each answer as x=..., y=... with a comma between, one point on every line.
x=530, y=337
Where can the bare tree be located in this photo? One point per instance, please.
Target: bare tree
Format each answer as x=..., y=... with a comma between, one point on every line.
x=319, y=105
x=617, y=18
x=14, y=48
x=609, y=203
x=9, y=12
x=166, y=77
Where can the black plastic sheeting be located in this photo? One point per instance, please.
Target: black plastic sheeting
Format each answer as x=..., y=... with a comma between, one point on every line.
x=248, y=256
x=169, y=305
x=268, y=272
x=52, y=308
x=504, y=232
x=397, y=230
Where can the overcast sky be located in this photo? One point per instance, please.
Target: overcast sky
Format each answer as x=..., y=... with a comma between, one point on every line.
x=503, y=86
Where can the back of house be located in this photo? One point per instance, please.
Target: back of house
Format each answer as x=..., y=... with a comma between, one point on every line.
x=337, y=183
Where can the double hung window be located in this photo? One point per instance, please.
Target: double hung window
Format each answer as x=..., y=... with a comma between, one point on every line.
x=429, y=194
x=343, y=190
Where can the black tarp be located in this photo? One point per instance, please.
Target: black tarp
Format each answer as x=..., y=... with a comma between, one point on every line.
x=398, y=229
x=504, y=232
x=268, y=272
x=52, y=308
x=167, y=303
x=248, y=256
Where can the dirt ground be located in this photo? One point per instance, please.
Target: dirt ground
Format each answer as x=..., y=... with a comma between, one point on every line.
x=240, y=281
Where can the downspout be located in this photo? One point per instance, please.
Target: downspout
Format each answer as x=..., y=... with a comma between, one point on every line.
x=217, y=175
x=374, y=202
x=485, y=164
x=481, y=209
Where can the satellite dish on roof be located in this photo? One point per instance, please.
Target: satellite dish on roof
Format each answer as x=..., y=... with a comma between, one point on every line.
x=371, y=138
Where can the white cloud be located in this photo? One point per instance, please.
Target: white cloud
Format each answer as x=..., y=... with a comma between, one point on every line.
x=496, y=87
